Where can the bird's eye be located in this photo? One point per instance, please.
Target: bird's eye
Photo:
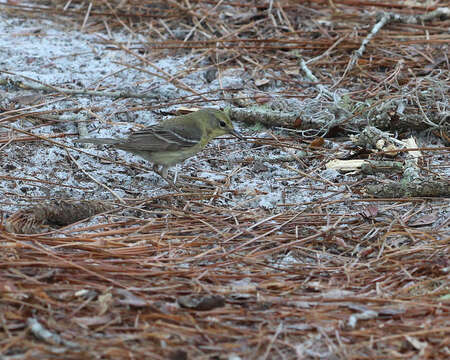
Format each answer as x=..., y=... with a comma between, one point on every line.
x=222, y=123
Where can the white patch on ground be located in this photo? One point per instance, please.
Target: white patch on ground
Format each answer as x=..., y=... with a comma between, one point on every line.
x=43, y=51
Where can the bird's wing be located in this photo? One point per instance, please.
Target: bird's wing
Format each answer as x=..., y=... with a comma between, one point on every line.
x=170, y=137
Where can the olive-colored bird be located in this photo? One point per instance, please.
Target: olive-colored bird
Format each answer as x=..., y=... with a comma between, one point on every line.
x=175, y=139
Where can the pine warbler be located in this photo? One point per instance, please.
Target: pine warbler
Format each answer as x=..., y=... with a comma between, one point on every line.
x=175, y=139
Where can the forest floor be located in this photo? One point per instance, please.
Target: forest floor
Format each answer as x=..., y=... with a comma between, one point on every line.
x=279, y=246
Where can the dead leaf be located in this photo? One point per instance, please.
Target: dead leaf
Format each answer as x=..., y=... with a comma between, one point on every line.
x=105, y=301
x=128, y=298
x=261, y=82
x=178, y=355
x=295, y=71
x=297, y=123
x=87, y=321
x=201, y=302
x=317, y=142
x=370, y=211
x=262, y=98
x=28, y=99
x=424, y=220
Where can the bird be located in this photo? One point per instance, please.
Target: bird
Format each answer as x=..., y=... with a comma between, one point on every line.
x=173, y=140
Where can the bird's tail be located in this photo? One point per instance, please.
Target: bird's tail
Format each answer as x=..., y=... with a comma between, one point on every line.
x=98, y=141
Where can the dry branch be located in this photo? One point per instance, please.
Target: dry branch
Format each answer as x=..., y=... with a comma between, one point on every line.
x=39, y=86
x=421, y=188
x=366, y=166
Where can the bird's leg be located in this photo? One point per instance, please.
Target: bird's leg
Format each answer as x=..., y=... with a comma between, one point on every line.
x=164, y=174
x=175, y=177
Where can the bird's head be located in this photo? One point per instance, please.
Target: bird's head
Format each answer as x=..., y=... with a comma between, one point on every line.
x=218, y=123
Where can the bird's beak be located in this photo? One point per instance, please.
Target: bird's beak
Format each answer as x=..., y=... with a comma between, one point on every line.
x=235, y=133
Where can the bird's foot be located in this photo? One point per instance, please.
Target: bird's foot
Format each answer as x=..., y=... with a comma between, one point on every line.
x=164, y=174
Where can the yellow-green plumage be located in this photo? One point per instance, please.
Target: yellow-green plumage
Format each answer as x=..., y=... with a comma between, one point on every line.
x=175, y=139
